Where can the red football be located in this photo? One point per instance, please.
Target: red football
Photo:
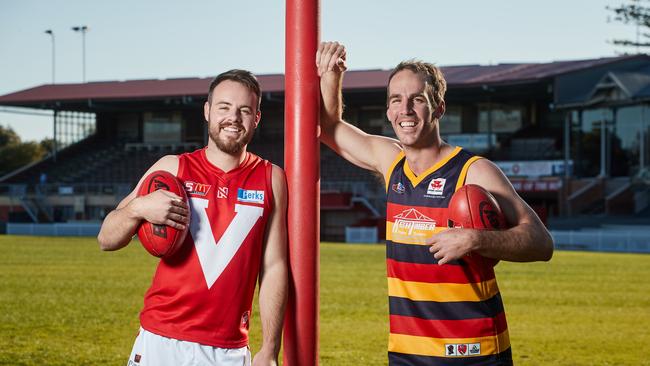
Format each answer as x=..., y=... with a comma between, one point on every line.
x=473, y=207
x=161, y=240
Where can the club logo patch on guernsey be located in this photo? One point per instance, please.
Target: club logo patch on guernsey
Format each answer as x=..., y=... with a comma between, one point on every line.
x=462, y=349
x=436, y=187
x=250, y=196
x=398, y=188
x=197, y=189
x=222, y=192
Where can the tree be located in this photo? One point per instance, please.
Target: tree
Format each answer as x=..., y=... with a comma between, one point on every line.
x=14, y=153
x=8, y=136
x=48, y=145
x=14, y=156
x=635, y=12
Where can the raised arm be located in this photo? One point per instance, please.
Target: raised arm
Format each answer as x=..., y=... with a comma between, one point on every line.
x=527, y=240
x=159, y=207
x=274, y=275
x=367, y=151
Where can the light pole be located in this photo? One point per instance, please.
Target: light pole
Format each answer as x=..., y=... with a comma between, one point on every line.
x=51, y=33
x=83, y=29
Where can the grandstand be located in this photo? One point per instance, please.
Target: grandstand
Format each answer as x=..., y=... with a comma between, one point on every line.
x=571, y=136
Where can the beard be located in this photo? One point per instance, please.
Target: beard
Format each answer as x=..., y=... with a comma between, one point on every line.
x=230, y=145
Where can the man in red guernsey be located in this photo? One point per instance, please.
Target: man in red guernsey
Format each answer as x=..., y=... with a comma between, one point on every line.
x=198, y=308
x=444, y=302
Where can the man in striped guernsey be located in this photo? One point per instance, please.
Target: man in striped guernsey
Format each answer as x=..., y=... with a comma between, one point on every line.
x=445, y=305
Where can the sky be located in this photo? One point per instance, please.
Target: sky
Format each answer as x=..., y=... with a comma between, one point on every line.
x=160, y=39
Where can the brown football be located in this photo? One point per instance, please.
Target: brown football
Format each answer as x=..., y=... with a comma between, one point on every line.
x=472, y=207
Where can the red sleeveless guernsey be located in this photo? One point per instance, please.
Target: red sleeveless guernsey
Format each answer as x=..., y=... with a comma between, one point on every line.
x=205, y=292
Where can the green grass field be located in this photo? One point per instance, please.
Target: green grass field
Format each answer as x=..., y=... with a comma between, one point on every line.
x=64, y=302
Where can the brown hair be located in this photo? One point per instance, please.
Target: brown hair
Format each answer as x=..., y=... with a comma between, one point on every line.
x=436, y=83
x=243, y=77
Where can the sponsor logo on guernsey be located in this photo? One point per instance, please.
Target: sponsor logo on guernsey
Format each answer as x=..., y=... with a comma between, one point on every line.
x=245, y=318
x=411, y=221
x=197, y=189
x=398, y=188
x=451, y=350
x=436, y=187
x=135, y=361
x=462, y=349
x=222, y=192
x=251, y=196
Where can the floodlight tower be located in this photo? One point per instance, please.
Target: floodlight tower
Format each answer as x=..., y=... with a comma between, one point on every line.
x=83, y=30
x=51, y=33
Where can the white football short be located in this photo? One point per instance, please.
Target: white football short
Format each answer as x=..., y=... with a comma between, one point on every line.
x=151, y=349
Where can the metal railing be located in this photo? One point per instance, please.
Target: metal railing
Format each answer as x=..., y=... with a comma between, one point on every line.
x=65, y=189
x=604, y=240
x=57, y=229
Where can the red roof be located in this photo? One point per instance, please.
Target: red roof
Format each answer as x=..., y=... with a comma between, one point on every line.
x=457, y=76
x=131, y=89
x=509, y=73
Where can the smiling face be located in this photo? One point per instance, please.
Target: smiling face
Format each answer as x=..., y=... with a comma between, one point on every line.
x=410, y=109
x=232, y=116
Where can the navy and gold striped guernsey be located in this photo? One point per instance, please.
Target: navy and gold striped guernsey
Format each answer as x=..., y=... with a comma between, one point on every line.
x=439, y=315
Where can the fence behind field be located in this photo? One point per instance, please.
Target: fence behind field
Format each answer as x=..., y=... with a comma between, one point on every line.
x=361, y=235
x=634, y=239
x=58, y=229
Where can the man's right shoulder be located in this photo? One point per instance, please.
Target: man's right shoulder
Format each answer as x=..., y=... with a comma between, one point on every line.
x=168, y=163
x=391, y=150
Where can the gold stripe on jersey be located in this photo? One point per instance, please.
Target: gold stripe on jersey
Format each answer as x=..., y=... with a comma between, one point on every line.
x=463, y=173
x=415, y=180
x=426, y=346
x=442, y=292
x=411, y=232
x=398, y=158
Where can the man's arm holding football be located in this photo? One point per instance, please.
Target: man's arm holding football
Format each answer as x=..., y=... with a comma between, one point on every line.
x=367, y=151
x=274, y=275
x=526, y=240
x=159, y=207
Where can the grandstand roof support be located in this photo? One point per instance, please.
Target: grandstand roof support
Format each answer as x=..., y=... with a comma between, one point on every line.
x=302, y=103
x=55, y=146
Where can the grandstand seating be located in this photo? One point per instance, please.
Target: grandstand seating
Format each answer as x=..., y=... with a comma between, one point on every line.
x=533, y=149
x=95, y=166
x=530, y=148
x=66, y=161
x=94, y=161
x=335, y=168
